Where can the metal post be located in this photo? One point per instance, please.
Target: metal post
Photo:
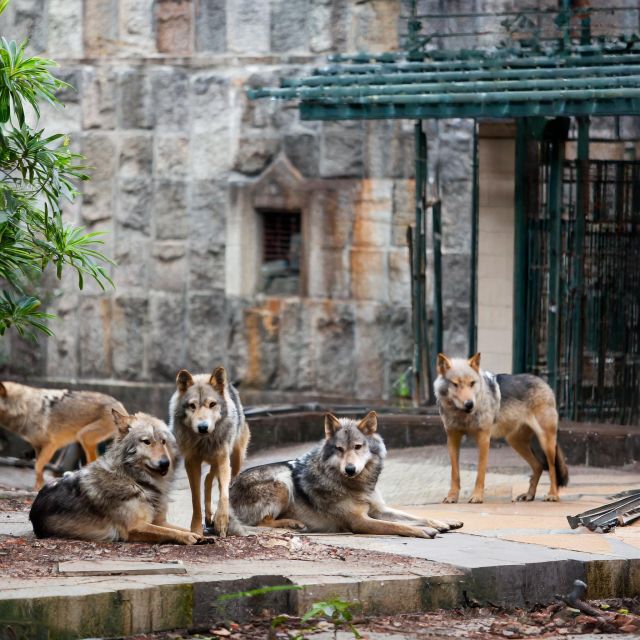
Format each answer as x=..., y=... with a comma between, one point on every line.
x=436, y=228
x=582, y=211
x=564, y=19
x=473, y=288
x=581, y=12
x=426, y=349
x=520, y=254
x=418, y=300
x=414, y=310
x=421, y=203
x=555, y=256
x=413, y=38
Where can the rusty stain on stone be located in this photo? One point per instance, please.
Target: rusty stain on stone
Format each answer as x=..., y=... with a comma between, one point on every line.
x=174, y=26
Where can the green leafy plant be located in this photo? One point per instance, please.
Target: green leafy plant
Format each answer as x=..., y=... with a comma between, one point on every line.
x=336, y=611
x=38, y=173
x=402, y=386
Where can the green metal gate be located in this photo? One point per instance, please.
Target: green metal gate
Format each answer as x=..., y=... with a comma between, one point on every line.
x=582, y=300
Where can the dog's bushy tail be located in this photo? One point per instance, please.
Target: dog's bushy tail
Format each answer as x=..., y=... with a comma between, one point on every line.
x=562, y=471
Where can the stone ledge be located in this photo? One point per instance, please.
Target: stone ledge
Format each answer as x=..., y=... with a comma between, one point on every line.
x=114, y=609
x=596, y=445
x=124, y=608
x=398, y=431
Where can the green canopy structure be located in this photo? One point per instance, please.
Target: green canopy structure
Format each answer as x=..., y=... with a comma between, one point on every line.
x=544, y=67
x=575, y=73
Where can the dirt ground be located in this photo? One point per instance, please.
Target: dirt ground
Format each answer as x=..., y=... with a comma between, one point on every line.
x=485, y=623
x=27, y=557
x=15, y=504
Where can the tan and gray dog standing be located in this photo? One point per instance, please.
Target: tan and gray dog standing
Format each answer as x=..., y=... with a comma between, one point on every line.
x=482, y=405
x=207, y=418
x=49, y=419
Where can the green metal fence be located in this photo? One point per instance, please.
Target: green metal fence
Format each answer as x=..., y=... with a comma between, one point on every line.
x=582, y=303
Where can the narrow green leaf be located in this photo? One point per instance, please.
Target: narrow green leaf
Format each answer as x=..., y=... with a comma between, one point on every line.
x=17, y=106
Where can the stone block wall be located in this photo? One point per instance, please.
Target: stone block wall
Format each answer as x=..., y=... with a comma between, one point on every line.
x=179, y=155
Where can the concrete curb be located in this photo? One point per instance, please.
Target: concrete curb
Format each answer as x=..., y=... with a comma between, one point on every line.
x=114, y=609
x=120, y=607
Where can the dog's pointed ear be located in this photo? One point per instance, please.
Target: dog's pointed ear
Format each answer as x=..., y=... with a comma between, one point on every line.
x=369, y=424
x=474, y=362
x=183, y=380
x=331, y=425
x=122, y=421
x=443, y=365
x=218, y=379
x=3, y=390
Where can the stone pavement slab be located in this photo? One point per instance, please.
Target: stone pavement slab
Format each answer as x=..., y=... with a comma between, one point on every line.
x=74, y=568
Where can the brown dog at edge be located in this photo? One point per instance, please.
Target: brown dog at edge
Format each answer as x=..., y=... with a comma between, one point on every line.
x=49, y=419
x=482, y=405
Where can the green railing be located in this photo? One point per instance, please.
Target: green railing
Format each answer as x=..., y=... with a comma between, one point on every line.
x=582, y=316
x=558, y=28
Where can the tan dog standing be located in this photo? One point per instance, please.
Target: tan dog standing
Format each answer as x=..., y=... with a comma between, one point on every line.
x=207, y=418
x=481, y=405
x=49, y=419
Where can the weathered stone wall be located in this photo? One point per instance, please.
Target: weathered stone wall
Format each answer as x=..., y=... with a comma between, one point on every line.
x=178, y=151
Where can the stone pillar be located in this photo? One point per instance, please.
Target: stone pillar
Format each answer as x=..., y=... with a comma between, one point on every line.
x=496, y=247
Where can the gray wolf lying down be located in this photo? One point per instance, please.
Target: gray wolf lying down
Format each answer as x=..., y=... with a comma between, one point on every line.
x=332, y=488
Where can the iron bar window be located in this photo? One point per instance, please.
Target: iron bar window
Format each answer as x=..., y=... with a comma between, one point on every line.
x=281, y=252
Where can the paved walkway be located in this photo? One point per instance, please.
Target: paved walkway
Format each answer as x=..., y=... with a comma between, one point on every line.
x=511, y=552
x=417, y=479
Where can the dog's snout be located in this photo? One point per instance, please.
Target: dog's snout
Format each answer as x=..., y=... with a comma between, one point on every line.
x=163, y=464
x=203, y=427
x=468, y=405
x=350, y=470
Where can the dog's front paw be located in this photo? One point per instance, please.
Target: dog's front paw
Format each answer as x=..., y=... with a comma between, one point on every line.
x=476, y=498
x=190, y=538
x=552, y=498
x=451, y=498
x=428, y=532
x=443, y=526
x=525, y=497
x=440, y=525
x=290, y=523
x=221, y=524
